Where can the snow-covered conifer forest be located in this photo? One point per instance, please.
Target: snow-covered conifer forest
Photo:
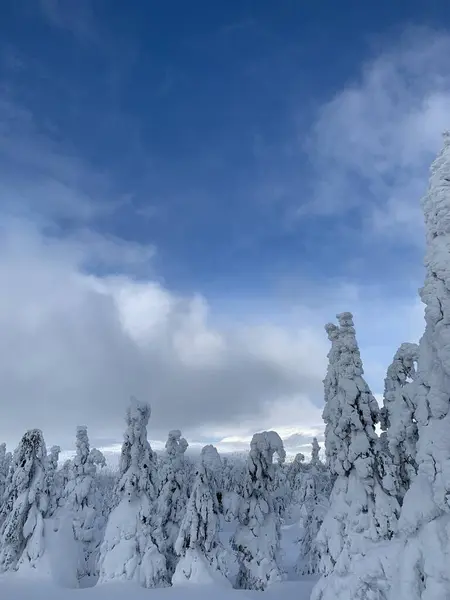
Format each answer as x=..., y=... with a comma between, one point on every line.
x=366, y=518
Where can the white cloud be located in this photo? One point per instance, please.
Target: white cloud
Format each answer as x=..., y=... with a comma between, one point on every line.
x=374, y=141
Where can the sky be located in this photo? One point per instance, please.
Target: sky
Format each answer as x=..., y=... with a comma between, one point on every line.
x=190, y=191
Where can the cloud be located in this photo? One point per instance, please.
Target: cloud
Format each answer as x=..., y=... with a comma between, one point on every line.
x=74, y=346
x=372, y=144
x=41, y=178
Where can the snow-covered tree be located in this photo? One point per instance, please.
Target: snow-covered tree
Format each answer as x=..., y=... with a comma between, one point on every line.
x=128, y=551
x=81, y=503
x=296, y=468
x=424, y=572
x=52, y=481
x=5, y=463
x=198, y=543
x=282, y=490
x=313, y=498
x=25, y=504
x=397, y=420
x=172, y=498
x=257, y=538
x=361, y=511
x=233, y=477
x=315, y=451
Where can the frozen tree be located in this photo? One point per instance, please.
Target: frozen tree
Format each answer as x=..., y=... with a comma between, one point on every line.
x=296, y=468
x=399, y=437
x=233, y=476
x=315, y=460
x=257, y=538
x=282, y=491
x=424, y=572
x=198, y=543
x=106, y=483
x=52, y=481
x=361, y=511
x=25, y=504
x=5, y=463
x=128, y=551
x=172, y=498
x=81, y=503
x=313, y=497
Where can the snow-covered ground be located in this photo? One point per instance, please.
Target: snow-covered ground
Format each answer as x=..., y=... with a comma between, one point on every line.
x=29, y=585
x=17, y=588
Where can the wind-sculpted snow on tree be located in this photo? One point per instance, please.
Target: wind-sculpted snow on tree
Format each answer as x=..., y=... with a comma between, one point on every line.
x=424, y=572
x=257, y=538
x=81, y=502
x=172, y=498
x=128, y=551
x=198, y=543
x=313, y=498
x=5, y=463
x=233, y=476
x=397, y=420
x=361, y=511
x=282, y=491
x=295, y=473
x=25, y=504
x=52, y=481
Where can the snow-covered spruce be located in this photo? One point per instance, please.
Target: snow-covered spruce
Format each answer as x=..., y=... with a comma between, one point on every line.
x=233, y=477
x=172, y=498
x=52, y=481
x=25, y=504
x=81, y=503
x=198, y=543
x=257, y=538
x=295, y=473
x=128, y=551
x=425, y=516
x=313, y=500
x=399, y=437
x=361, y=511
x=5, y=463
x=282, y=491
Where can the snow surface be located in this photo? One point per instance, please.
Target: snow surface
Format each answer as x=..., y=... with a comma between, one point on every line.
x=16, y=588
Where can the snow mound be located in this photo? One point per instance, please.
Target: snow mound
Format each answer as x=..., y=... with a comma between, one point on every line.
x=193, y=568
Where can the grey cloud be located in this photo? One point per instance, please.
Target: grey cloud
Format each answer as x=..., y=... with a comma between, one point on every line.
x=74, y=348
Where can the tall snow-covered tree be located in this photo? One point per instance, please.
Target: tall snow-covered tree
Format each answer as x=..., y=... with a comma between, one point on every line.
x=233, y=476
x=361, y=511
x=424, y=572
x=52, y=481
x=198, y=543
x=397, y=420
x=5, y=463
x=315, y=451
x=25, y=504
x=313, y=499
x=128, y=551
x=82, y=503
x=172, y=498
x=257, y=538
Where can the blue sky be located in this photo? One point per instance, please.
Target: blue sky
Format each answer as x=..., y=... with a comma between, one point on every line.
x=221, y=170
